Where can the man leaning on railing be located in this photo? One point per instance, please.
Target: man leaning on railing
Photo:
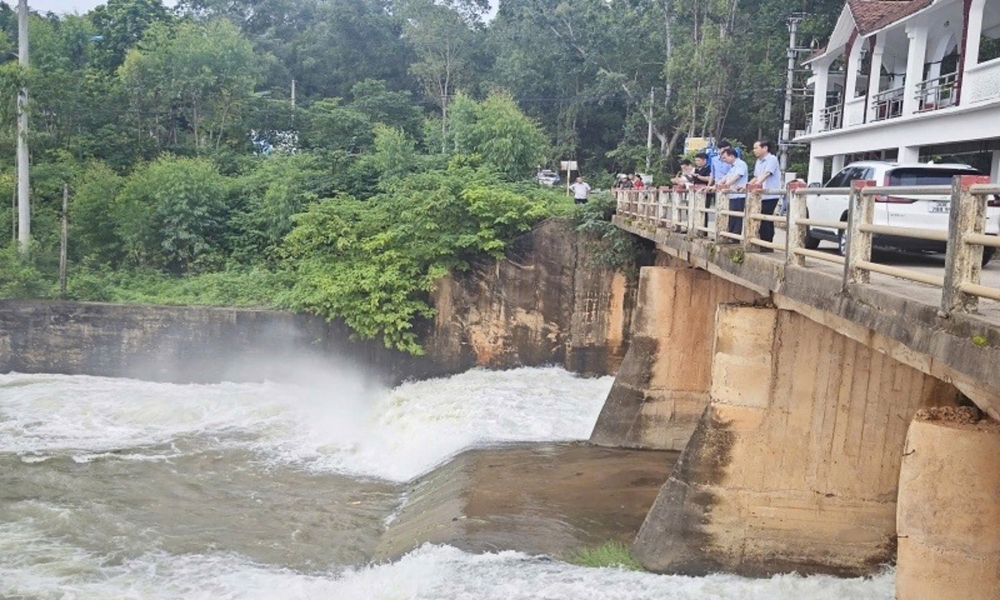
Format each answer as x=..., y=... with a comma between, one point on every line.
x=735, y=179
x=767, y=174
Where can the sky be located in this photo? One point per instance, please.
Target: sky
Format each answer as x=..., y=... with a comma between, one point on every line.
x=67, y=6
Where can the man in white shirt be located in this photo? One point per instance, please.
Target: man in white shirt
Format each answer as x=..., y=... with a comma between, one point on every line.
x=581, y=190
x=766, y=172
x=735, y=179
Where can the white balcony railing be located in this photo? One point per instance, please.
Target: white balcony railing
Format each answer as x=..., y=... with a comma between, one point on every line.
x=981, y=82
x=831, y=117
x=887, y=105
x=940, y=92
x=854, y=111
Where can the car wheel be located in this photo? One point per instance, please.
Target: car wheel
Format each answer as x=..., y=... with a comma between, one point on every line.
x=810, y=242
x=988, y=254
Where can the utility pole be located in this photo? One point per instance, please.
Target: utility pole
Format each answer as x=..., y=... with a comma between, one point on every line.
x=786, y=122
x=64, y=242
x=649, y=132
x=23, y=180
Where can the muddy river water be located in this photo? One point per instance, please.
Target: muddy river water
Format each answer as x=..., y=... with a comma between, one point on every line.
x=317, y=488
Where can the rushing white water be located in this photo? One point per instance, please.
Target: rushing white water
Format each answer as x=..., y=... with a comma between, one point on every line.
x=324, y=423
x=120, y=489
x=53, y=570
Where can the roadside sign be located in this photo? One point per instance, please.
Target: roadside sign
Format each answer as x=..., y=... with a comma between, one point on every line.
x=568, y=165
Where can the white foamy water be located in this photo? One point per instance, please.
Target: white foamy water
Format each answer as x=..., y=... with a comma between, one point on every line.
x=59, y=571
x=327, y=423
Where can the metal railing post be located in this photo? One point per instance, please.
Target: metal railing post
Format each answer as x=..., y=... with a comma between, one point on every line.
x=963, y=261
x=751, y=226
x=860, y=210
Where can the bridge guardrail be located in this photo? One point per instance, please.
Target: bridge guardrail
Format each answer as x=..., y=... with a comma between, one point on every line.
x=686, y=210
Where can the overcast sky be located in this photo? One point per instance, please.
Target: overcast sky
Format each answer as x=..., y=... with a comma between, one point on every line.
x=67, y=6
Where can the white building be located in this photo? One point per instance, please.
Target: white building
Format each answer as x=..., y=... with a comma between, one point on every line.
x=901, y=79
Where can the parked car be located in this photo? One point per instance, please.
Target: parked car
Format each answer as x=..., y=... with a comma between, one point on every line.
x=547, y=177
x=917, y=212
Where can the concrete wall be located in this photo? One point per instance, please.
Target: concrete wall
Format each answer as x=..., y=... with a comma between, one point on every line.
x=543, y=304
x=662, y=387
x=949, y=511
x=795, y=464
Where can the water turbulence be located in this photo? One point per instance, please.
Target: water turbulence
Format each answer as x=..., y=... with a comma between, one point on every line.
x=114, y=488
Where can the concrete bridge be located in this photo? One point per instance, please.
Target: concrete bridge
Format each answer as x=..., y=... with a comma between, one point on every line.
x=834, y=413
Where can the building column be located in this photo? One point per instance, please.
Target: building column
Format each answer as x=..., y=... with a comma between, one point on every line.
x=838, y=164
x=995, y=166
x=973, y=31
x=816, y=164
x=851, y=71
x=875, y=77
x=908, y=154
x=917, y=33
x=821, y=76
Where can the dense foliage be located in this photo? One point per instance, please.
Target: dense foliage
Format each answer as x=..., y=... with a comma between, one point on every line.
x=338, y=156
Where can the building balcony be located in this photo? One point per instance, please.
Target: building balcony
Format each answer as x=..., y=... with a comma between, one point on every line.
x=982, y=82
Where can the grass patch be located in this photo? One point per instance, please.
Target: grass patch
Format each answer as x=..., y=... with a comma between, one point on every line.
x=608, y=554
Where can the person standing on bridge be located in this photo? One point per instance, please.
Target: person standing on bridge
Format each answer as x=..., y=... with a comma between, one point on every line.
x=581, y=191
x=735, y=179
x=767, y=173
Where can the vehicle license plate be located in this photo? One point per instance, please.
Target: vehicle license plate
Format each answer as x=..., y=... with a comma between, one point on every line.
x=939, y=207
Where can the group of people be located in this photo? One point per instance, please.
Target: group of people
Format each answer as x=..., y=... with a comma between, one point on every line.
x=728, y=171
x=631, y=181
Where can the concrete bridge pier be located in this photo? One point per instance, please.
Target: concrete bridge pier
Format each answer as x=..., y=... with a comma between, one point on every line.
x=662, y=386
x=949, y=512
x=794, y=465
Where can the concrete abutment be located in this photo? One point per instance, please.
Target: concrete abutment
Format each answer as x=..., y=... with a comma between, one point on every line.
x=663, y=383
x=795, y=463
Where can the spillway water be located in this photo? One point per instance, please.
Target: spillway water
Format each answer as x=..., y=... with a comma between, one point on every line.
x=115, y=488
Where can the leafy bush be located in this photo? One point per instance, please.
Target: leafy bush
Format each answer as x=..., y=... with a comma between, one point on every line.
x=20, y=276
x=373, y=262
x=169, y=212
x=608, y=245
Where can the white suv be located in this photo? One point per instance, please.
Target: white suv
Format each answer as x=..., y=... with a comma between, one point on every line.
x=917, y=212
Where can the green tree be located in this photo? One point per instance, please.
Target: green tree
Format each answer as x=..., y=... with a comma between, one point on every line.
x=195, y=79
x=170, y=213
x=121, y=24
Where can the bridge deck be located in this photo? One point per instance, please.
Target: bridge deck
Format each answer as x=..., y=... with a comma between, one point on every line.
x=899, y=317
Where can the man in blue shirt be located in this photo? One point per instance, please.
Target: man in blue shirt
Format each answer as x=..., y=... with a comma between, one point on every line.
x=734, y=179
x=767, y=172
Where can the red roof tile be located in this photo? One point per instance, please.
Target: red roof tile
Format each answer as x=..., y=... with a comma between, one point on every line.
x=872, y=15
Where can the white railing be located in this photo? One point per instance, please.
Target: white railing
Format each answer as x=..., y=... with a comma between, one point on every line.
x=854, y=111
x=981, y=82
x=831, y=117
x=940, y=92
x=683, y=211
x=887, y=105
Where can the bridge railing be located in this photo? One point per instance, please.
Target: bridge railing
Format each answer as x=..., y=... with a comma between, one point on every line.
x=687, y=211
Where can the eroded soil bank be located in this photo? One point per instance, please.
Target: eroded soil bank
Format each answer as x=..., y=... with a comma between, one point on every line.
x=535, y=498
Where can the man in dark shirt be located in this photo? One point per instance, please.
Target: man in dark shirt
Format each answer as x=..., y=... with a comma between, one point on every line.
x=702, y=170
